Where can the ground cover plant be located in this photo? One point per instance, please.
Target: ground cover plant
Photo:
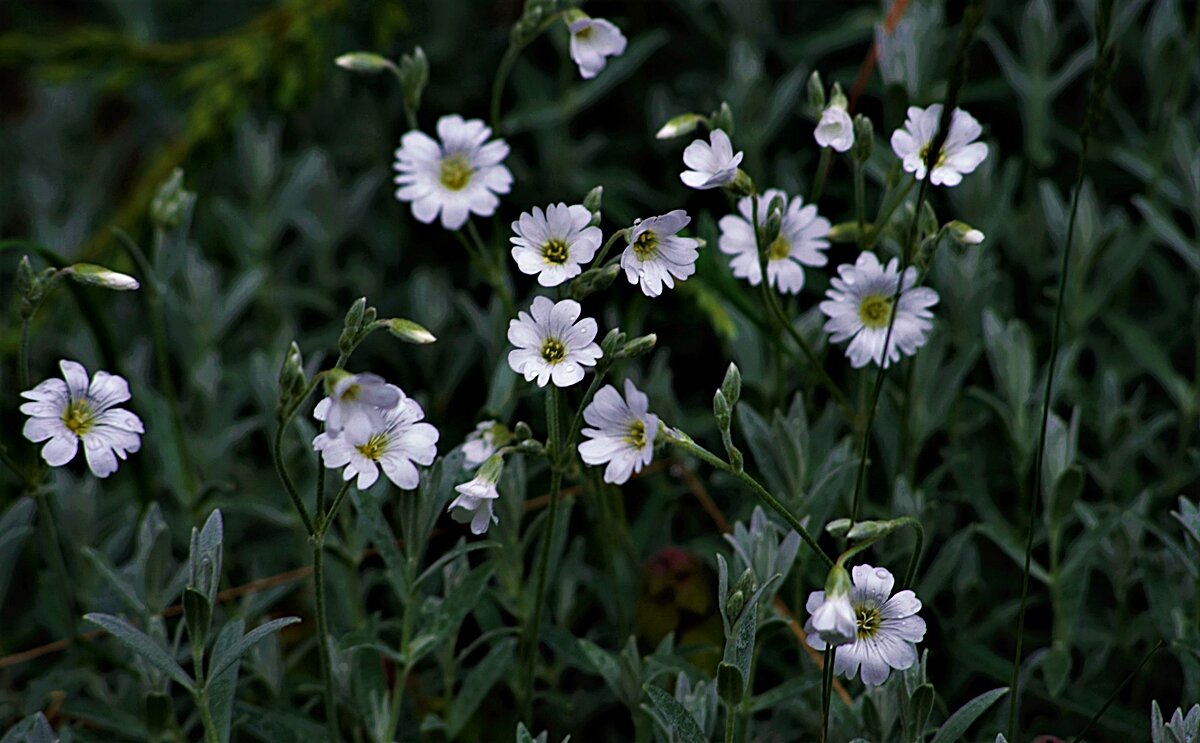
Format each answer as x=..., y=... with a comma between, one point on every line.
x=678, y=371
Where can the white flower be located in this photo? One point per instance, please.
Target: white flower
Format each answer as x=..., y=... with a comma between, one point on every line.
x=592, y=40
x=65, y=413
x=395, y=443
x=834, y=620
x=624, y=432
x=480, y=444
x=475, y=501
x=556, y=244
x=459, y=177
x=887, y=628
x=859, y=308
x=656, y=253
x=550, y=344
x=712, y=163
x=835, y=129
x=960, y=155
x=356, y=406
x=800, y=242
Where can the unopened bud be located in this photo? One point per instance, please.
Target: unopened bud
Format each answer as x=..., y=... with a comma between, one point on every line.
x=864, y=138
x=612, y=342
x=27, y=280
x=774, y=222
x=731, y=387
x=721, y=411
x=816, y=92
x=93, y=275
x=594, y=280
x=593, y=200
x=964, y=234
x=409, y=331
x=414, y=74
x=722, y=118
x=734, y=605
x=367, y=62
x=172, y=202
x=291, y=373
x=638, y=346
x=679, y=126
x=522, y=431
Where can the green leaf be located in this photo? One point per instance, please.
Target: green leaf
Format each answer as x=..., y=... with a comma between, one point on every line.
x=143, y=645
x=604, y=664
x=1152, y=357
x=231, y=654
x=676, y=716
x=478, y=683
x=955, y=728
x=453, y=554
x=1056, y=667
x=124, y=591
x=1063, y=495
x=33, y=729
x=221, y=689
x=731, y=686
x=197, y=614
x=1188, y=515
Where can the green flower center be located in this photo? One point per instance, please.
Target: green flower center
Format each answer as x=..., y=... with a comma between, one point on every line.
x=553, y=350
x=78, y=417
x=925, y=153
x=584, y=33
x=374, y=447
x=456, y=172
x=779, y=249
x=875, y=310
x=870, y=620
x=636, y=436
x=351, y=393
x=645, y=246
x=555, y=252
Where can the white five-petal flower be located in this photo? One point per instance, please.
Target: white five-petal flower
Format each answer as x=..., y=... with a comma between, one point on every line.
x=397, y=441
x=550, y=344
x=960, y=155
x=859, y=308
x=458, y=177
x=593, y=40
x=656, y=255
x=623, y=432
x=834, y=620
x=800, y=242
x=888, y=627
x=356, y=406
x=480, y=444
x=713, y=163
x=835, y=129
x=555, y=244
x=476, y=498
x=63, y=413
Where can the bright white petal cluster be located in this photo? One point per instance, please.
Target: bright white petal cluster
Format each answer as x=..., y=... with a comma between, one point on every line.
x=593, y=40
x=713, y=163
x=458, y=177
x=656, y=255
x=550, y=344
x=357, y=405
x=395, y=440
x=475, y=503
x=63, y=413
x=556, y=243
x=622, y=433
x=859, y=308
x=835, y=129
x=887, y=627
x=480, y=443
x=801, y=239
x=960, y=155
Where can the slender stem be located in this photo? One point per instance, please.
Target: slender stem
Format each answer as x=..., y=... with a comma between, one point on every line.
x=688, y=445
x=23, y=352
x=826, y=690
x=612, y=240
x=918, y=544
x=860, y=199
x=577, y=421
x=503, y=70
x=729, y=723
x=885, y=213
x=211, y=734
x=333, y=508
x=323, y=636
x=1111, y=697
x=822, y=171
x=288, y=484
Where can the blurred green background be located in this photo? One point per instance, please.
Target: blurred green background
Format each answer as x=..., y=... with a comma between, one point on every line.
x=290, y=159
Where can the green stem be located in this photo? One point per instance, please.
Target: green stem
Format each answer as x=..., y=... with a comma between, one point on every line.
x=612, y=240
x=826, y=690
x=288, y=484
x=23, y=352
x=333, y=508
x=323, y=636
x=577, y=421
x=860, y=198
x=211, y=734
x=684, y=442
x=822, y=171
x=886, y=208
x=503, y=70
x=730, y=723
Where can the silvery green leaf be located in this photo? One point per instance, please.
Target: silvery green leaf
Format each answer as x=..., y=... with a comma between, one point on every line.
x=141, y=643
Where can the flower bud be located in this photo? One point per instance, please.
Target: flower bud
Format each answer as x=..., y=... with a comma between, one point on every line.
x=816, y=92
x=722, y=411
x=291, y=374
x=409, y=331
x=679, y=126
x=734, y=605
x=27, y=280
x=530, y=23
x=612, y=342
x=367, y=62
x=522, y=431
x=731, y=387
x=593, y=201
x=638, y=346
x=352, y=326
x=774, y=221
x=93, y=275
x=594, y=280
x=171, y=203
x=864, y=138
x=414, y=74
x=964, y=234
x=722, y=118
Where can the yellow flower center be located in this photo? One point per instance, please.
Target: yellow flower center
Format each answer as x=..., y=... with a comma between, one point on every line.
x=636, y=436
x=645, y=246
x=875, y=310
x=584, y=33
x=456, y=172
x=779, y=249
x=555, y=252
x=374, y=447
x=870, y=620
x=553, y=350
x=78, y=417
x=351, y=393
x=925, y=153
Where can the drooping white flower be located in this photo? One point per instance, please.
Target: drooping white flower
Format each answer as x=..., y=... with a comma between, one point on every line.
x=458, y=177
x=63, y=413
x=476, y=498
x=480, y=443
x=713, y=163
x=555, y=244
x=887, y=627
x=960, y=155
x=834, y=620
x=800, y=242
x=395, y=443
x=593, y=40
x=356, y=406
x=835, y=129
x=656, y=255
x=550, y=344
x=859, y=308
x=622, y=433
